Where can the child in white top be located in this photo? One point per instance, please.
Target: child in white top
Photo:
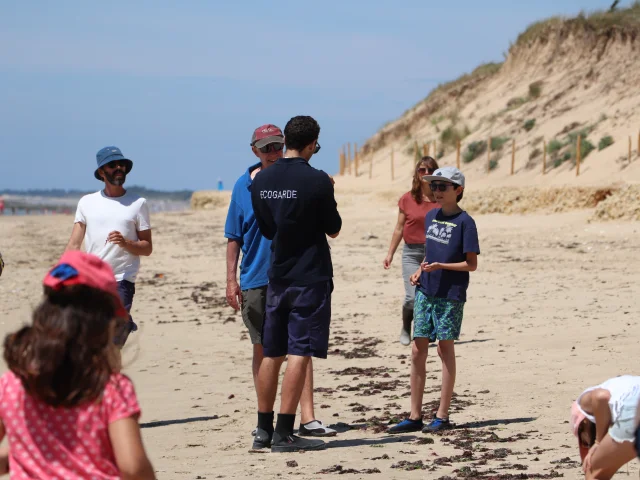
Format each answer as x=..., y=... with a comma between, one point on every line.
x=603, y=420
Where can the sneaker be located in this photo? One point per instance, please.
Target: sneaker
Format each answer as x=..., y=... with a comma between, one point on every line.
x=261, y=439
x=405, y=338
x=437, y=425
x=407, y=426
x=316, y=429
x=293, y=443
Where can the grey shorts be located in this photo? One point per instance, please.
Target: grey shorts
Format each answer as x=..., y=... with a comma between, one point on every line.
x=253, y=311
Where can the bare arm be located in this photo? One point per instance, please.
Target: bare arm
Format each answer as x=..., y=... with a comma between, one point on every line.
x=141, y=247
x=469, y=265
x=601, y=411
x=77, y=236
x=396, y=237
x=4, y=453
x=234, y=295
x=128, y=449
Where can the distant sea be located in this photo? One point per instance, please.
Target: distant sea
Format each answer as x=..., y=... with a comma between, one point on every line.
x=40, y=205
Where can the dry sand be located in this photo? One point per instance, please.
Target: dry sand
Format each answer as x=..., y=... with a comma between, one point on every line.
x=553, y=308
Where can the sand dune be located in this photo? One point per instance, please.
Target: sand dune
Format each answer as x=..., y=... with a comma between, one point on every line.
x=565, y=76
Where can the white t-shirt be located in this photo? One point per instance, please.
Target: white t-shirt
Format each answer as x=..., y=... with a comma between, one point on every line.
x=128, y=214
x=620, y=388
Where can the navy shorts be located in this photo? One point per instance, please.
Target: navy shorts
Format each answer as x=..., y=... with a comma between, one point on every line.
x=126, y=290
x=297, y=320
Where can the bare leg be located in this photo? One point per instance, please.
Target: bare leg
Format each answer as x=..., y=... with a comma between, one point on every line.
x=419, y=352
x=448, y=356
x=608, y=458
x=293, y=383
x=258, y=355
x=306, y=399
x=268, y=383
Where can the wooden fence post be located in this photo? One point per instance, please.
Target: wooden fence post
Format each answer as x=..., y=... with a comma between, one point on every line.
x=416, y=151
x=458, y=156
x=513, y=155
x=346, y=160
x=355, y=157
x=392, y=164
x=341, y=163
x=578, y=155
x=544, y=157
x=428, y=147
x=488, y=153
x=350, y=157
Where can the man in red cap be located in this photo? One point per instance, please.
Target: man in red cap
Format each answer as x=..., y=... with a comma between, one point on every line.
x=114, y=225
x=243, y=234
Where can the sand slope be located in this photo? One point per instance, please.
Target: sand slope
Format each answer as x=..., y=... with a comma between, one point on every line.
x=587, y=77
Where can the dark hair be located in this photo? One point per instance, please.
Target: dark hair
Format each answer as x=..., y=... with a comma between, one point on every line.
x=459, y=197
x=588, y=427
x=416, y=184
x=300, y=131
x=66, y=356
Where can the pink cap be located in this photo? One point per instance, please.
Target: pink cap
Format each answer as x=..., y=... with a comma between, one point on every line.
x=577, y=416
x=80, y=268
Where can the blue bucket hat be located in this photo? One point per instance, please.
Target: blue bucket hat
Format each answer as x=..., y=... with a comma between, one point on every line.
x=110, y=154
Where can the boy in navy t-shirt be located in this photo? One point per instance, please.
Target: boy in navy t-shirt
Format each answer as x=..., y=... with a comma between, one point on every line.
x=452, y=251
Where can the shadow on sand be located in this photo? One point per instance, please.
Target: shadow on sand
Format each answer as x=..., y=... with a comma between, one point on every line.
x=494, y=423
x=360, y=442
x=164, y=423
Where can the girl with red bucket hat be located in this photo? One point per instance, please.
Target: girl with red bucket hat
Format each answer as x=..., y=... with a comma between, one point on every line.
x=65, y=407
x=603, y=419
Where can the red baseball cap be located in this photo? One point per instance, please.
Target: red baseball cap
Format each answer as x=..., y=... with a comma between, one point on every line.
x=80, y=268
x=265, y=135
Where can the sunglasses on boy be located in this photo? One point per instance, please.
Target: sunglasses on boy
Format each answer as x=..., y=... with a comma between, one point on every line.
x=441, y=186
x=317, y=148
x=272, y=147
x=424, y=170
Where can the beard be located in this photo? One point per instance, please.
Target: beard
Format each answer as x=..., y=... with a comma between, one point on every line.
x=116, y=181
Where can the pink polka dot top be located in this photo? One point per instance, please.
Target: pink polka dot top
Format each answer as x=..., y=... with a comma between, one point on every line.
x=50, y=443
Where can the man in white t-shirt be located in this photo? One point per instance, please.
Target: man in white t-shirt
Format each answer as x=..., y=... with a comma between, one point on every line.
x=115, y=226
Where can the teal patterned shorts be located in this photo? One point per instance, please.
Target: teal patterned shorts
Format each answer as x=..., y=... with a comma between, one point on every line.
x=436, y=318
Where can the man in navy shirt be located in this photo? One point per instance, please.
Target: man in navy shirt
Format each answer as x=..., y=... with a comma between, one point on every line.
x=243, y=234
x=295, y=207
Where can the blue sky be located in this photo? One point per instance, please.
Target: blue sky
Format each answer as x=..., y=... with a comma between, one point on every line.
x=180, y=86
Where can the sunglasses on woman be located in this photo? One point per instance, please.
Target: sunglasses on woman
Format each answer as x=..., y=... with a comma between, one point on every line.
x=441, y=186
x=423, y=170
x=272, y=147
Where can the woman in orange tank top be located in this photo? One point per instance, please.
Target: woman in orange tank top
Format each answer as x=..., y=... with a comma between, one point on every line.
x=413, y=207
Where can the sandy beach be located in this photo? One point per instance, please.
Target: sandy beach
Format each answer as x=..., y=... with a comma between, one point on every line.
x=551, y=311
